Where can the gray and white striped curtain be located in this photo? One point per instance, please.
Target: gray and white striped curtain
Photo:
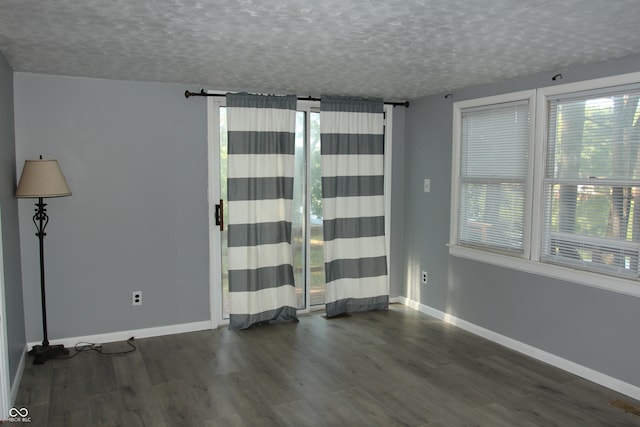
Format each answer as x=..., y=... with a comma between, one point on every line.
x=352, y=149
x=261, y=132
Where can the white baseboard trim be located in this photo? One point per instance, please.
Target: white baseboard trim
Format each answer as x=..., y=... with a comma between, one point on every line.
x=397, y=300
x=17, y=378
x=137, y=333
x=544, y=356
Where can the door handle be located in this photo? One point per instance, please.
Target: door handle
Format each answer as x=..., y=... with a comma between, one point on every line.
x=220, y=215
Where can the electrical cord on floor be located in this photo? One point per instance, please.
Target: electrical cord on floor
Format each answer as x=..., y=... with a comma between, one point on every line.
x=83, y=347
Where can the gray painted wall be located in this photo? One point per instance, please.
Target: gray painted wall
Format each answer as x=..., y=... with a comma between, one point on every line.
x=10, y=232
x=135, y=157
x=591, y=327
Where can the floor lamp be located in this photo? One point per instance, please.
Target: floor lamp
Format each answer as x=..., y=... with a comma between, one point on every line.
x=41, y=179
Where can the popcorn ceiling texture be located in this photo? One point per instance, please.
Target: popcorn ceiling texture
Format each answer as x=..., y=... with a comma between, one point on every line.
x=396, y=49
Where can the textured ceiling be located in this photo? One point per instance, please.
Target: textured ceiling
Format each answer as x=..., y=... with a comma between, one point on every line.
x=396, y=49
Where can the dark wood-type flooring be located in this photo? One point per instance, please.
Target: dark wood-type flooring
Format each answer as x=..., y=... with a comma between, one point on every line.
x=396, y=367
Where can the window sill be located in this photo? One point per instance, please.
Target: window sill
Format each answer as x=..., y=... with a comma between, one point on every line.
x=594, y=280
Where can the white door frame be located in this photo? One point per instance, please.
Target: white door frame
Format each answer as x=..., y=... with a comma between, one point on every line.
x=213, y=184
x=5, y=391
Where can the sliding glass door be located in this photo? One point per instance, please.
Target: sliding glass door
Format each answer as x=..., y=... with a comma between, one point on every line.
x=307, y=239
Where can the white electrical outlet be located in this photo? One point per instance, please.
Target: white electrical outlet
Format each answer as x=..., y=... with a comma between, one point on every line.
x=427, y=185
x=424, y=277
x=136, y=298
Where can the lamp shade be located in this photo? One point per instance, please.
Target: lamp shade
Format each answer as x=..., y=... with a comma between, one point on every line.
x=42, y=178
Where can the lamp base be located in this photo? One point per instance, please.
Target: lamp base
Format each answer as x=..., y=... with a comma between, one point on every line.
x=42, y=353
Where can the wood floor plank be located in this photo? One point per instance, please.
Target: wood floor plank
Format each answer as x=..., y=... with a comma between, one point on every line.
x=591, y=399
x=249, y=402
x=106, y=410
x=531, y=366
x=185, y=365
x=35, y=387
x=494, y=415
x=39, y=414
x=531, y=380
x=225, y=420
x=131, y=376
x=369, y=409
x=175, y=404
x=69, y=390
x=487, y=380
x=298, y=413
x=142, y=412
x=220, y=362
x=213, y=400
x=415, y=412
x=100, y=376
x=134, y=387
x=336, y=409
x=76, y=417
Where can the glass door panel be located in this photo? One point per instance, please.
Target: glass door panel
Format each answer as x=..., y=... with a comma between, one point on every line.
x=224, y=252
x=298, y=244
x=316, y=257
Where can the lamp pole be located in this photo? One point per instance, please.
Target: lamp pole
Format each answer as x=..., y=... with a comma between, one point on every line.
x=40, y=219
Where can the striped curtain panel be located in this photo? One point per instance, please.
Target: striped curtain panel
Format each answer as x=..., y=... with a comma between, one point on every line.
x=261, y=132
x=352, y=150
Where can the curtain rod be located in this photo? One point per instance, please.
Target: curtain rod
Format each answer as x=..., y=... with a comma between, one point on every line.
x=188, y=94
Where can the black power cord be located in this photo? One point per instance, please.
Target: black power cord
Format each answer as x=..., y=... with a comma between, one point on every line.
x=83, y=347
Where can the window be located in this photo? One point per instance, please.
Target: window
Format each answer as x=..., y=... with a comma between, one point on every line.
x=548, y=181
x=494, y=152
x=592, y=182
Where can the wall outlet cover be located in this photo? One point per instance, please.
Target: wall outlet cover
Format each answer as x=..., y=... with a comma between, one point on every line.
x=427, y=185
x=136, y=298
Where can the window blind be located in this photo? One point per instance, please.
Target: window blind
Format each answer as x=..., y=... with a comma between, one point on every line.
x=591, y=183
x=494, y=158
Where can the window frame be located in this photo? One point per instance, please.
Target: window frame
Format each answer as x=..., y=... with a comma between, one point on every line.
x=456, y=181
x=531, y=261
